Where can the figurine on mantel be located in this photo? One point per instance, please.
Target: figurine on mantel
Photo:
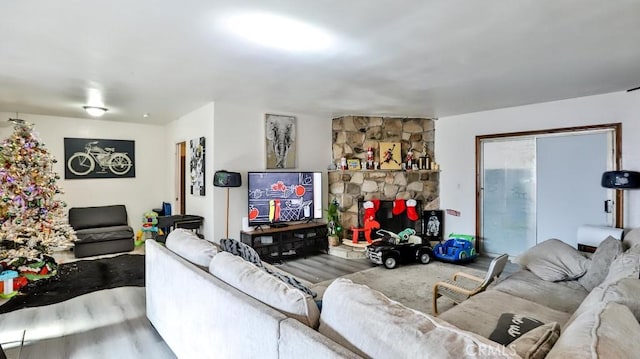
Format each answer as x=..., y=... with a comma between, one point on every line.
x=370, y=165
x=409, y=160
x=424, y=159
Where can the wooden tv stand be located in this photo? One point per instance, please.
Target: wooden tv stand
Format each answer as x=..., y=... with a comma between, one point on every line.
x=275, y=244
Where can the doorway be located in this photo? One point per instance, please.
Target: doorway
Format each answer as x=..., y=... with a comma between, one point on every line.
x=532, y=186
x=181, y=174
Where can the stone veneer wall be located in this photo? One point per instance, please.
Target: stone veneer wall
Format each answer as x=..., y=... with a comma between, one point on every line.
x=352, y=135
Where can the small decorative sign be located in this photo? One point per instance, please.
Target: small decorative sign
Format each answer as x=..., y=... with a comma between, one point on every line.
x=353, y=164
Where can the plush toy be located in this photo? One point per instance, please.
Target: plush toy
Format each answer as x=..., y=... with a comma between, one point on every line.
x=150, y=221
x=149, y=225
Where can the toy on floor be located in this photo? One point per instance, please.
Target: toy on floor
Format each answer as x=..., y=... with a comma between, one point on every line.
x=459, y=248
x=403, y=247
x=149, y=226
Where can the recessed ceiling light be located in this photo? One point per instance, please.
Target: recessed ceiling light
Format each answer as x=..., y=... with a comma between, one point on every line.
x=146, y=115
x=95, y=111
x=279, y=32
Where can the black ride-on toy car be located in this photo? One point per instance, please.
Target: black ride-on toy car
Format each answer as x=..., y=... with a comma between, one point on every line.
x=392, y=249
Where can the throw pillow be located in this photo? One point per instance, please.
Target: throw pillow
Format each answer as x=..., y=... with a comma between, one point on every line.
x=294, y=282
x=554, y=260
x=264, y=287
x=240, y=249
x=189, y=246
x=511, y=326
x=537, y=343
x=600, y=262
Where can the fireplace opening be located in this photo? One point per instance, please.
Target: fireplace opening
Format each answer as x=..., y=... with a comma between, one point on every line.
x=391, y=222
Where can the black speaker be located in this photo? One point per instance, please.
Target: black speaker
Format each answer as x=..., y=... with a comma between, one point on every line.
x=621, y=179
x=227, y=179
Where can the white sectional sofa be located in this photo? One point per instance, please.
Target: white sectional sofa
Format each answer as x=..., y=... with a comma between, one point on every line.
x=200, y=315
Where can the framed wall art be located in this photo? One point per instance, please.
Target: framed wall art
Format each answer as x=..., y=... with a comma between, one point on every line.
x=433, y=222
x=280, y=139
x=390, y=157
x=98, y=158
x=196, y=153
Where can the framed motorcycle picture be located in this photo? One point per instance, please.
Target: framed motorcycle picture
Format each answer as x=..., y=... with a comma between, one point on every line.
x=98, y=158
x=433, y=222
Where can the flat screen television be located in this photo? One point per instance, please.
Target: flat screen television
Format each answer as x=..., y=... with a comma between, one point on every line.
x=276, y=198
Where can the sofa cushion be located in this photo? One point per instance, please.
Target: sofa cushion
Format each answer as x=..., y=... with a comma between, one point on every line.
x=625, y=291
x=94, y=217
x=249, y=254
x=103, y=234
x=626, y=265
x=632, y=238
x=600, y=262
x=255, y=282
x=564, y=296
x=608, y=330
x=479, y=314
x=537, y=343
x=372, y=325
x=554, y=260
x=189, y=246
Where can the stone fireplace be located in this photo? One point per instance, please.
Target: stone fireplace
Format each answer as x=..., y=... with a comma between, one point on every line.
x=352, y=135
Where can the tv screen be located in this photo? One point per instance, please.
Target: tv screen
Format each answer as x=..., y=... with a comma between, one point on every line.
x=280, y=197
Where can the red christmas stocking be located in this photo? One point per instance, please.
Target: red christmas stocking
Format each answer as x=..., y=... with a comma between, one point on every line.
x=369, y=210
x=398, y=207
x=376, y=204
x=411, y=210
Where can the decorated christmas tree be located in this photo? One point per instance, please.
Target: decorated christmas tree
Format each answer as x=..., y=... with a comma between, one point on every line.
x=32, y=220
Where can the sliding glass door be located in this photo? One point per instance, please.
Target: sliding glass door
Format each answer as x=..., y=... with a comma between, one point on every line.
x=509, y=195
x=536, y=186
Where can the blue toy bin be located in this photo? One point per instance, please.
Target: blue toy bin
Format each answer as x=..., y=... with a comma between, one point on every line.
x=459, y=248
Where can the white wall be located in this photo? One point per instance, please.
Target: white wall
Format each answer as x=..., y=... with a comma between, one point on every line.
x=139, y=194
x=196, y=124
x=239, y=146
x=455, y=145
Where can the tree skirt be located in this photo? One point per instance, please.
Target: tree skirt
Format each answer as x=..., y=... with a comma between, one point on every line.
x=78, y=278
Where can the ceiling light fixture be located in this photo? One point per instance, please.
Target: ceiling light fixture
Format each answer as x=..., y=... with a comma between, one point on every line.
x=95, y=111
x=279, y=32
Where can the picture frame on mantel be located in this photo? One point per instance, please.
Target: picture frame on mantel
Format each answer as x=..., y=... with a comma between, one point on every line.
x=280, y=141
x=390, y=157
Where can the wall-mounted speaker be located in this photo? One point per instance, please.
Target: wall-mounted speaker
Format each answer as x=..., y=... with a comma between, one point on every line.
x=621, y=179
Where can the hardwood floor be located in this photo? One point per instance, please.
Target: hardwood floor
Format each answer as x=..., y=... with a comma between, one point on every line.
x=320, y=267
x=105, y=324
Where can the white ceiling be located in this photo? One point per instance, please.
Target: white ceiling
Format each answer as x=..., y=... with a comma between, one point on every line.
x=402, y=57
